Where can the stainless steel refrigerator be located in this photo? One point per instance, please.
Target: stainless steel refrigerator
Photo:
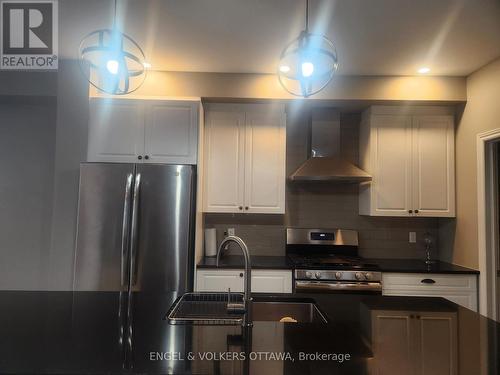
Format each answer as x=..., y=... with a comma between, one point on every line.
x=135, y=237
x=135, y=228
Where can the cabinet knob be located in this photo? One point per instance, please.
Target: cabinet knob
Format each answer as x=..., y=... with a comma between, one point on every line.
x=241, y=274
x=416, y=211
x=410, y=211
x=146, y=157
x=240, y=207
x=246, y=208
x=139, y=157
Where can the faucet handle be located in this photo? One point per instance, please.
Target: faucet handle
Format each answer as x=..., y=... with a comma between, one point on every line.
x=234, y=307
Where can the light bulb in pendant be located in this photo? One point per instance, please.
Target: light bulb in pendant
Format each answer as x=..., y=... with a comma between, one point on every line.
x=307, y=69
x=112, y=66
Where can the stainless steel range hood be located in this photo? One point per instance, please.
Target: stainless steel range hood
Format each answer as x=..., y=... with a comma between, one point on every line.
x=325, y=163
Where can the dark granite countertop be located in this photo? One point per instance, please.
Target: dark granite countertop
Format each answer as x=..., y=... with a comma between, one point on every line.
x=258, y=262
x=419, y=266
x=82, y=333
x=386, y=265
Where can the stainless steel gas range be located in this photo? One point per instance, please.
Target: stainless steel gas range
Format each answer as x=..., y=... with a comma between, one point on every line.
x=327, y=261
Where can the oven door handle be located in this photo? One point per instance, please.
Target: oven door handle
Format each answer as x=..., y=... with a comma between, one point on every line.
x=321, y=285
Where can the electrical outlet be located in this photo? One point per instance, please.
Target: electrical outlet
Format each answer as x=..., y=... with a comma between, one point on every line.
x=230, y=231
x=413, y=237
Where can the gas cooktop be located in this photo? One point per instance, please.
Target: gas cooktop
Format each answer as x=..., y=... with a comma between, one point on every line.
x=330, y=261
x=327, y=261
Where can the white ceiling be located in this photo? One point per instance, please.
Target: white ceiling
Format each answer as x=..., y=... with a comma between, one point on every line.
x=373, y=37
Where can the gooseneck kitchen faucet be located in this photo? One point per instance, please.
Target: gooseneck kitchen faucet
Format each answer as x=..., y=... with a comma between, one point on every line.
x=246, y=306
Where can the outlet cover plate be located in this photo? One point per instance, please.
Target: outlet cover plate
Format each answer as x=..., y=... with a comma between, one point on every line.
x=412, y=238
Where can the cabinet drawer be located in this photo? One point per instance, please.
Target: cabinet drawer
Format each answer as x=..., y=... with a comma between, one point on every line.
x=461, y=289
x=263, y=281
x=427, y=281
x=219, y=280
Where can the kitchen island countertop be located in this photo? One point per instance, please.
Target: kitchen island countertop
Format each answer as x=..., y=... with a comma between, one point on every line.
x=82, y=332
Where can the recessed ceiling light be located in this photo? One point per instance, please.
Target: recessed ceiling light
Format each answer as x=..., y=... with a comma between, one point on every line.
x=424, y=70
x=146, y=65
x=284, y=68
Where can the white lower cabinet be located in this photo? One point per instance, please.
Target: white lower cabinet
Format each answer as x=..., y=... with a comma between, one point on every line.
x=411, y=342
x=263, y=281
x=461, y=289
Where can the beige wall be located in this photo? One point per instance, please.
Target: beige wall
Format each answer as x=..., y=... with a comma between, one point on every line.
x=266, y=86
x=482, y=112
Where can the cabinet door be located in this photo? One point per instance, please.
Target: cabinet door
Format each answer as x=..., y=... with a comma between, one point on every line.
x=265, y=162
x=271, y=281
x=116, y=130
x=392, y=342
x=437, y=338
x=433, y=166
x=219, y=280
x=171, y=132
x=391, y=185
x=414, y=342
x=224, y=161
x=263, y=281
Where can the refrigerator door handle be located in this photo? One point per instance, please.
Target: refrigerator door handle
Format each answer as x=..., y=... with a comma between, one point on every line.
x=135, y=230
x=125, y=231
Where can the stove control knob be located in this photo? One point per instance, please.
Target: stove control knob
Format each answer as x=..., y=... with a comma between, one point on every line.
x=309, y=274
x=359, y=276
x=338, y=275
x=318, y=275
x=368, y=276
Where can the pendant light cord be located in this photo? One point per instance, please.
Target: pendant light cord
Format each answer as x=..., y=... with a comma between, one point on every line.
x=307, y=15
x=114, y=17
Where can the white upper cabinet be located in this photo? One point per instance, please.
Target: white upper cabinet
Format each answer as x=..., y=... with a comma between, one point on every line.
x=434, y=165
x=391, y=142
x=171, y=131
x=410, y=154
x=265, y=162
x=244, y=158
x=224, y=161
x=150, y=131
x=116, y=130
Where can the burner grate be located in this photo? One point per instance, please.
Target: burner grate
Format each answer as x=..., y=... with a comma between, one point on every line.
x=330, y=261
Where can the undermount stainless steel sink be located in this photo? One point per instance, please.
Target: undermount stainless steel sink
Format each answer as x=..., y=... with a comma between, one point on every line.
x=211, y=308
x=287, y=312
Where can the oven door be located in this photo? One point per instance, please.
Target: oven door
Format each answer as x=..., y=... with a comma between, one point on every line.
x=311, y=286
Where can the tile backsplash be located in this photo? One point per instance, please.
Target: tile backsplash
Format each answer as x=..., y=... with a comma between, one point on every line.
x=324, y=205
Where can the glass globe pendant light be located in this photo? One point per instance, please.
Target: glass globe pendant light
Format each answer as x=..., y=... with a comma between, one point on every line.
x=308, y=63
x=112, y=61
